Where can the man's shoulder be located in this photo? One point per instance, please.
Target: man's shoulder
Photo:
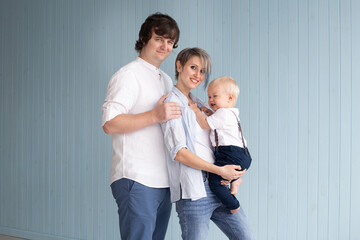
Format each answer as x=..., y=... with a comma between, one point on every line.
x=133, y=65
x=130, y=68
x=164, y=74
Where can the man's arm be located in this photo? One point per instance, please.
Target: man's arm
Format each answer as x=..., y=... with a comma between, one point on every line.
x=125, y=123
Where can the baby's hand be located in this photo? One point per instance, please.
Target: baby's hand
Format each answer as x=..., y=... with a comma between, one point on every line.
x=193, y=106
x=206, y=110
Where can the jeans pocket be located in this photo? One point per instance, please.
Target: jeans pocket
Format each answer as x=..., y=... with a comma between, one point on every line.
x=121, y=187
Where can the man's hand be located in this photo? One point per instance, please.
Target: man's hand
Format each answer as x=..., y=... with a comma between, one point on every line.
x=166, y=111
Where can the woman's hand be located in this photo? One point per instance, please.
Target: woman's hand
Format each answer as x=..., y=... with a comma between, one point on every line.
x=230, y=172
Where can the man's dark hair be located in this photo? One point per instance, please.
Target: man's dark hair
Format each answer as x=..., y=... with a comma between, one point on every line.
x=163, y=25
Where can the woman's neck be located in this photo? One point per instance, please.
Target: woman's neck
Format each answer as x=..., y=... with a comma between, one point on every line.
x=184, y=91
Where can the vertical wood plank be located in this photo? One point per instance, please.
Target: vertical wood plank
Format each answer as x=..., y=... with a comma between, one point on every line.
x=355, y=119
x=313, y=119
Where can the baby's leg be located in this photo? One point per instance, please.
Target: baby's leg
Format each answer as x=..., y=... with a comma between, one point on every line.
x=235, y=185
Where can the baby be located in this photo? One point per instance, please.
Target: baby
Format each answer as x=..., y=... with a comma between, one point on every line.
x=226, y=136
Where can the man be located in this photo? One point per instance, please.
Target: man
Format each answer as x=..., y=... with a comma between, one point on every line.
x=133, y=108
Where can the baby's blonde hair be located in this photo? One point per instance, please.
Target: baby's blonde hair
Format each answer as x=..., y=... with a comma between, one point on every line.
x=229, y=85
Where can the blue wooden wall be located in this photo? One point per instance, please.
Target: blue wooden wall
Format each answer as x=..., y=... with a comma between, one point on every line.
x=297, y=63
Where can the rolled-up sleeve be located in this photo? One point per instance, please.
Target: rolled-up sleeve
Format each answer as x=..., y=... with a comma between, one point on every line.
x=121, y=95
x=174, y=136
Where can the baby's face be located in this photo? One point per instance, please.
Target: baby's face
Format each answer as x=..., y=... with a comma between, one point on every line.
x=218, y=97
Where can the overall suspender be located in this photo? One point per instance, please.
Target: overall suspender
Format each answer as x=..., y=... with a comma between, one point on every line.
x=242, y=137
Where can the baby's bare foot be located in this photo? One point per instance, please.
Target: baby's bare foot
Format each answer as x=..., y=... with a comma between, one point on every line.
x=234, y=210
x=234, y=186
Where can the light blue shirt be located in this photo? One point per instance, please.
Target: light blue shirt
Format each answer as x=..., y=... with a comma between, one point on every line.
x=185, y=182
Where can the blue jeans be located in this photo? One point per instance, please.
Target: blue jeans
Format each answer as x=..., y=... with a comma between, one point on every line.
x=195, y=216
x=144, y=212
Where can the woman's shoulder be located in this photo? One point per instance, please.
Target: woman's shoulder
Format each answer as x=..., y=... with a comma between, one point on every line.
x=176, y=96
x=172, y=97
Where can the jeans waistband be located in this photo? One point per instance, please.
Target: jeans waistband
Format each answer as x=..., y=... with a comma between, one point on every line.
x=205, y=175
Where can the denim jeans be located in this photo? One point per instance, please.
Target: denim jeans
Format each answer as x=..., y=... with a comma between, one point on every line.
x=195, y=216
x=144, y=212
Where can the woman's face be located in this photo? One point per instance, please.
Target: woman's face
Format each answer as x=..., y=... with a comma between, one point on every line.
x=190, y=75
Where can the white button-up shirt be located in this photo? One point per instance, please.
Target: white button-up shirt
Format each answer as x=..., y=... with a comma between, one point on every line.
x=138, y=155
x=186, y=182
x=225, y=121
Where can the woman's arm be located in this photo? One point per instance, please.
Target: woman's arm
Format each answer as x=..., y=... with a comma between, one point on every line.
x=188, y=158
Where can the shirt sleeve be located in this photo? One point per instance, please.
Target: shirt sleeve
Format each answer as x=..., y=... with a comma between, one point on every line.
x=217, y=119
x=174, y=135
x=121, y=95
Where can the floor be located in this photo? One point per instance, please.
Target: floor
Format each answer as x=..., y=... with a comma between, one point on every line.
x=5, y=237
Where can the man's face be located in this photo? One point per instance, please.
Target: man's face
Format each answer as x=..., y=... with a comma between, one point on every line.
x=157, y=49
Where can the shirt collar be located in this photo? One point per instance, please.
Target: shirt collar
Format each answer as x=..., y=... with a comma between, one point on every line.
x=183, y=98
x=146, y=64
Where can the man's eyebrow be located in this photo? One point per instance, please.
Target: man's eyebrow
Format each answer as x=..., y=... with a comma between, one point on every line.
x=165, y=37
x=162, y=37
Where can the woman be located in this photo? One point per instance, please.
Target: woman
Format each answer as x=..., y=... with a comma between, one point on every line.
x=190, y=158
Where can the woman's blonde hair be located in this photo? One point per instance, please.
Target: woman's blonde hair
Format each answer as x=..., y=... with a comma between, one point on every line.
x=229, y=85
